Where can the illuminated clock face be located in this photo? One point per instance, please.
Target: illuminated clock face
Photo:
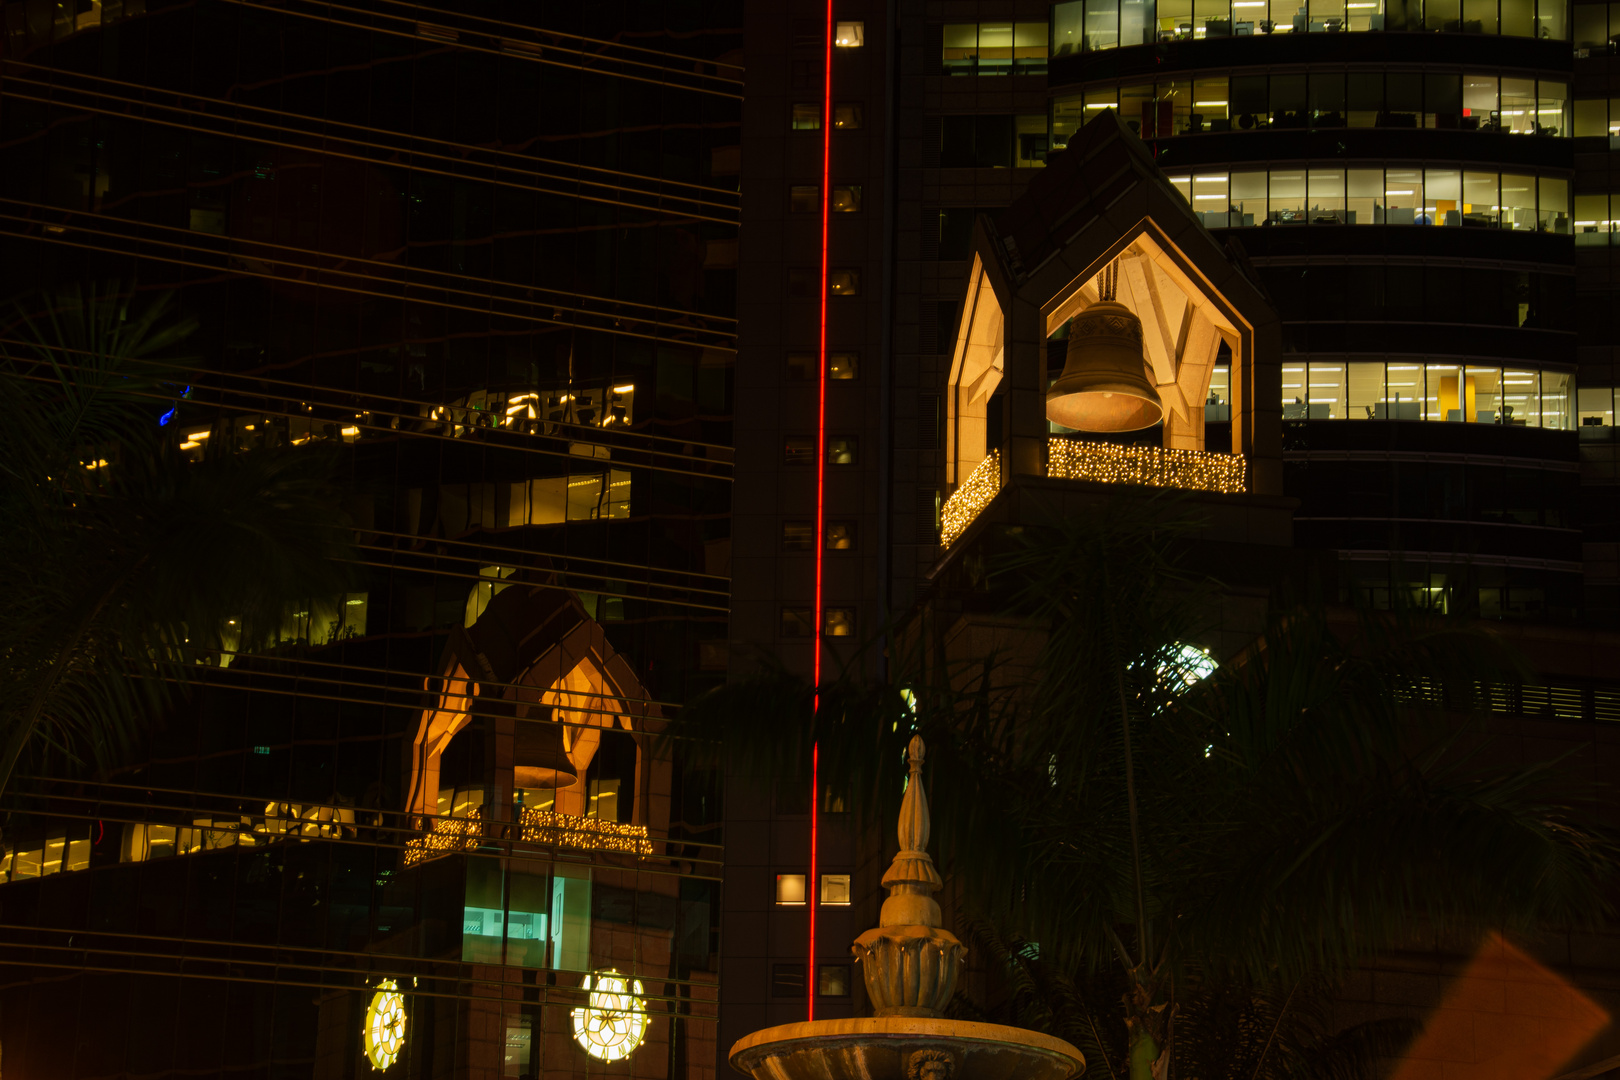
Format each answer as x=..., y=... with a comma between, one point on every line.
x=612, y=1025
x=385, y=1025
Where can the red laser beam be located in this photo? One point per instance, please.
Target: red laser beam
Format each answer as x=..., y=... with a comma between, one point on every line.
x=811, y=886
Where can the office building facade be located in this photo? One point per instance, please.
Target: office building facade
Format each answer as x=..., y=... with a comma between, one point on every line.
x=1418, y=192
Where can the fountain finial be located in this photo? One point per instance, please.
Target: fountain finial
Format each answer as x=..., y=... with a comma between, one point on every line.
x=914, y=807
x=911, y=965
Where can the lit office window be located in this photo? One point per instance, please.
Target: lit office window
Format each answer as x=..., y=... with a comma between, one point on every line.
x=838, y=622
x=1596, y=220
x=1394, y=195
x=806, y=116
x=995, y=49
x=790, y=889
x=833, y=980
x=1218, y=402
x=1596, y=406
x=846, y=116
x=1194, y=103
x=840, y=536
x=798, y=536
x=999, y=48
x=1091, y=25
x=849, y=35
x=1410, y=388
x=844, y=282
x=835, y=890
x=846, y=199
x=842, y=450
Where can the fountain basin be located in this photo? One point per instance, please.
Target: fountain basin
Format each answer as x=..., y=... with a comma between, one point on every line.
x=903, y=1048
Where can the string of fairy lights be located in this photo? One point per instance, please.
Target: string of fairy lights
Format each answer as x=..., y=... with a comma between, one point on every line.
x=1149, y=466
x=1103, y=463
x=442, y=836
x=968, y=501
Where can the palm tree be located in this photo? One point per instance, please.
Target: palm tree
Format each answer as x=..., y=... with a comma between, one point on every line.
x=123, y=560
x=1229, y=835
x=1224, y=1030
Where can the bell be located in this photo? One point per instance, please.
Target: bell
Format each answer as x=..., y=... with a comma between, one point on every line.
x=538, y=757
x=1104, y=384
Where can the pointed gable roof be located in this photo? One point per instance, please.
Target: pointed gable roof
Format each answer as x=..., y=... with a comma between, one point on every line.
x=1090, y=201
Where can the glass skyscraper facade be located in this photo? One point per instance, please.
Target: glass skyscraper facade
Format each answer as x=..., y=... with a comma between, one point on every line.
x=486, y=259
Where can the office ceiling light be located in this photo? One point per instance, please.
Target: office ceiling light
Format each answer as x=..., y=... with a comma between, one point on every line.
x=612, y=1025
x=1104, y=384
x=385, y=1025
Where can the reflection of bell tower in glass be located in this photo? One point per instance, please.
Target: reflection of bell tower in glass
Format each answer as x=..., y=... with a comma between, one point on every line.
x=494, y=286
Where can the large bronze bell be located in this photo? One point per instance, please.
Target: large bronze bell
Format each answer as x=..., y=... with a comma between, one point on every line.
x=1104, y=385
x=539, y=759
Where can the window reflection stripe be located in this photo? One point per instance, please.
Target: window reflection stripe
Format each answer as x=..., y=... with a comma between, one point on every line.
x=589, y=63
x=27, y=228
x=387, y=156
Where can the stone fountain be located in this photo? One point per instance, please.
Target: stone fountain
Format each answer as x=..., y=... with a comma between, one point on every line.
x=911, y=966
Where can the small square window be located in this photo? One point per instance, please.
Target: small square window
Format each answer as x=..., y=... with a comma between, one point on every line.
x=802, y=282
x=843, y=365
x=798, y=536
x=805, y=198
x=846, y=199
x=801, y=366
x=835, y=889
x=787, y=980
x=849, y=35
x=833, y=980
x=796, y=622
x=799, y=451
x=841, y=450
x=807, y=116
x=846, y=116
x=838, y=622
x=845, y=282
x=840, y=536
x=790, y=889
